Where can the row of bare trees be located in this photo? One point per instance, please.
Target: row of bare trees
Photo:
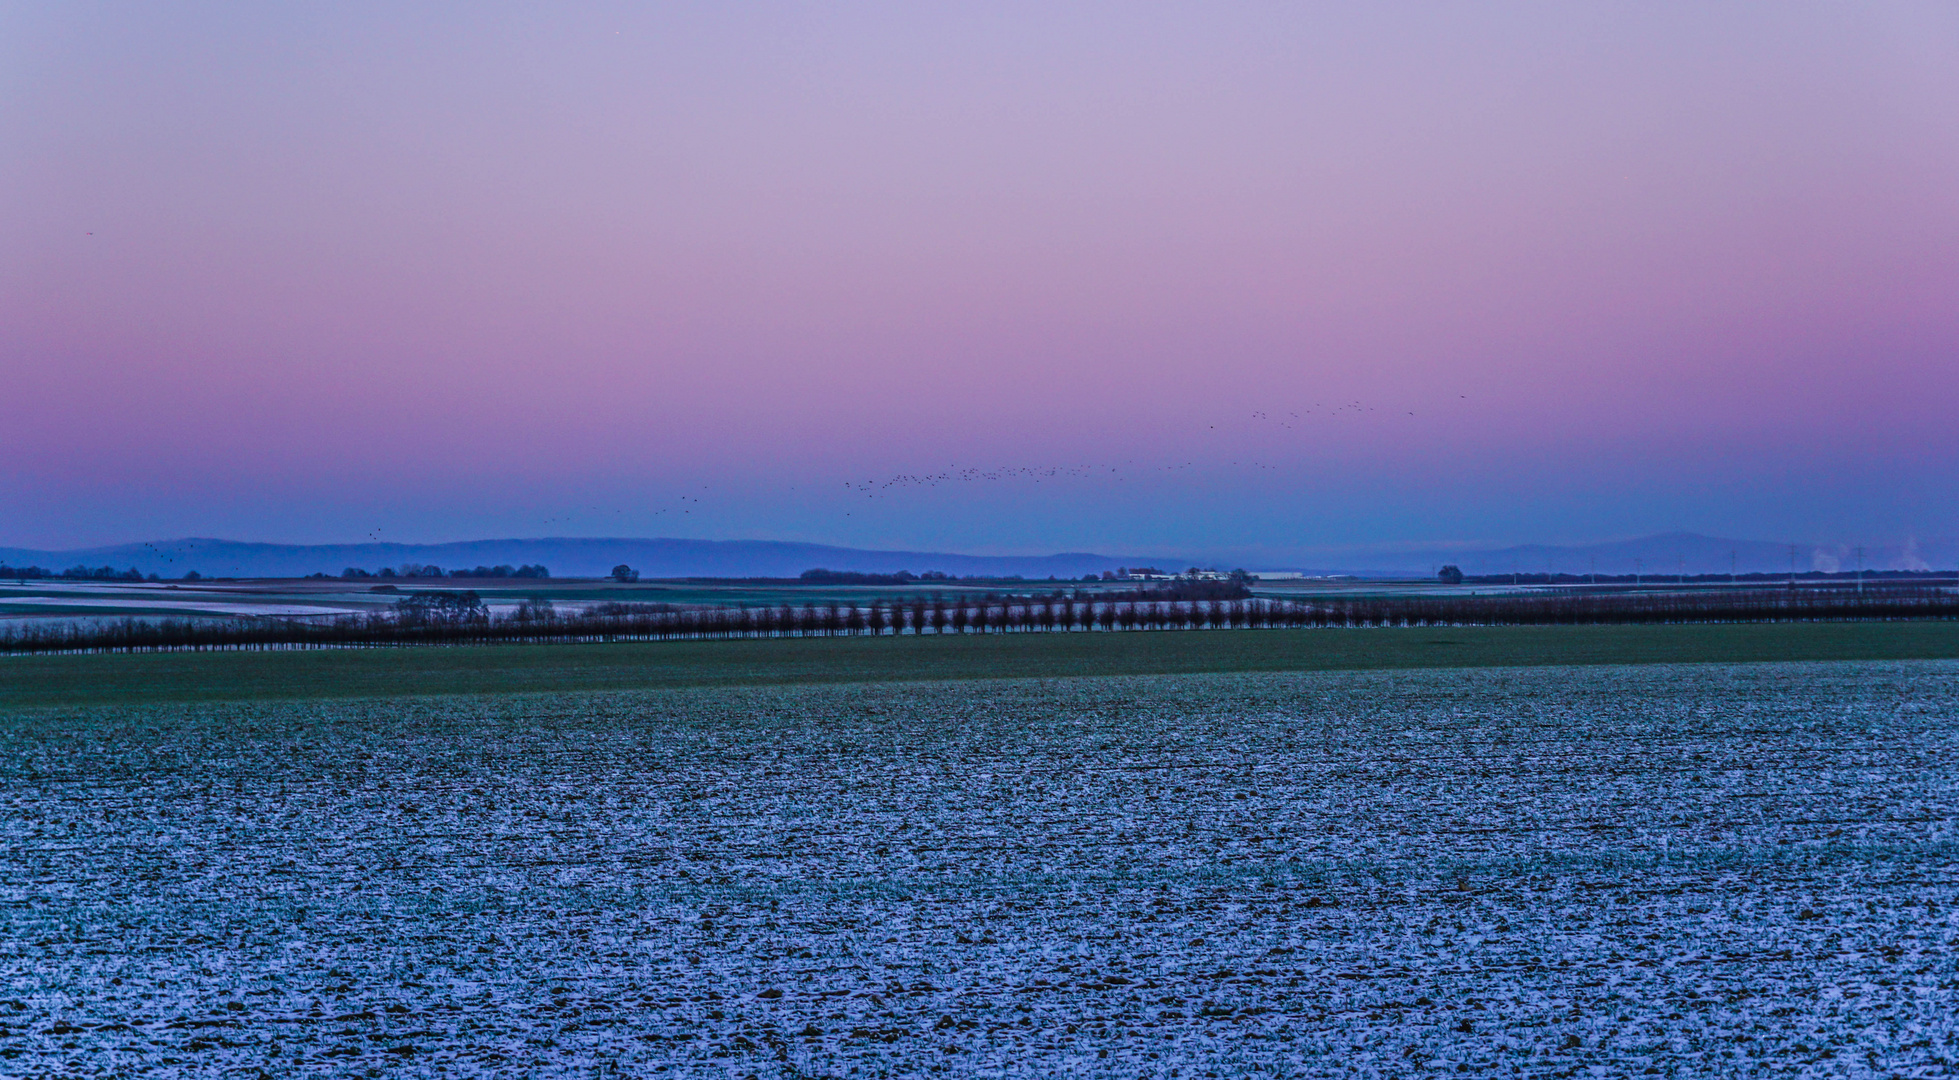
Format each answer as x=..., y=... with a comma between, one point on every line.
x=539, y=622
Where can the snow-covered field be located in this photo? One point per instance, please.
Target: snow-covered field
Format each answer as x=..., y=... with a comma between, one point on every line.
x=1699, y=871
x=67, y=604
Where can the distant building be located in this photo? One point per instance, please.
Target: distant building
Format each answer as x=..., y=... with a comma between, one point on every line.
x=1138, y=573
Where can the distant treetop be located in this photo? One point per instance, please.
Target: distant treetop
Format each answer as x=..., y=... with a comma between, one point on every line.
x=412, y=570
x=820, y=576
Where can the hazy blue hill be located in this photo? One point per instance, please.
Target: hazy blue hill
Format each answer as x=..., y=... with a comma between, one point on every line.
x=565, y=557
x=1667, y=553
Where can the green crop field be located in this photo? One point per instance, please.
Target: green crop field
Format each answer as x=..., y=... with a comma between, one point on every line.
x=42, y=681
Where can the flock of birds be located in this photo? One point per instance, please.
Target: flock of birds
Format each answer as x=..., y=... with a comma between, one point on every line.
x=1039, y=473
x=684, y=505
x=1295, y=419
x=162, y=556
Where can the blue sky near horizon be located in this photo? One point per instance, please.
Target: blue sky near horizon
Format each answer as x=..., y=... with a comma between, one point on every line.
x=986, y=278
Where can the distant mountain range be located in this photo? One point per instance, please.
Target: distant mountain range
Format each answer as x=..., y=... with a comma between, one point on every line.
x=566, y=557
x=1668, y=553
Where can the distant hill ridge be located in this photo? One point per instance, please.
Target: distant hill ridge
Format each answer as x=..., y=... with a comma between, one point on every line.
x=565, y=556
x=1666, y=553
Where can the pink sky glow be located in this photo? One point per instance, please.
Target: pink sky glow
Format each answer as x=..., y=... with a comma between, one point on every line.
x=1168, y=277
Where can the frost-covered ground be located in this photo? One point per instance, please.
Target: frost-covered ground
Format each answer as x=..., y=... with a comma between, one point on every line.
x=1609, y=871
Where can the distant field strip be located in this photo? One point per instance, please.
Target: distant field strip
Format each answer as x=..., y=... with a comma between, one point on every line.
x=1707, y=870
x=41, y=681
x=460, y=617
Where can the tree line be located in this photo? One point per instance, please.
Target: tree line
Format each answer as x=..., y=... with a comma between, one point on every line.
x=418, y=570
x=86, y=573
x=820, y=576
x=437, y=617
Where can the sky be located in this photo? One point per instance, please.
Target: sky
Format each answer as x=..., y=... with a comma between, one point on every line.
x=995, y=278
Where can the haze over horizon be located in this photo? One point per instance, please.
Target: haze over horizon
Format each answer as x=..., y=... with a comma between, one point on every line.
x=1001, y=278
